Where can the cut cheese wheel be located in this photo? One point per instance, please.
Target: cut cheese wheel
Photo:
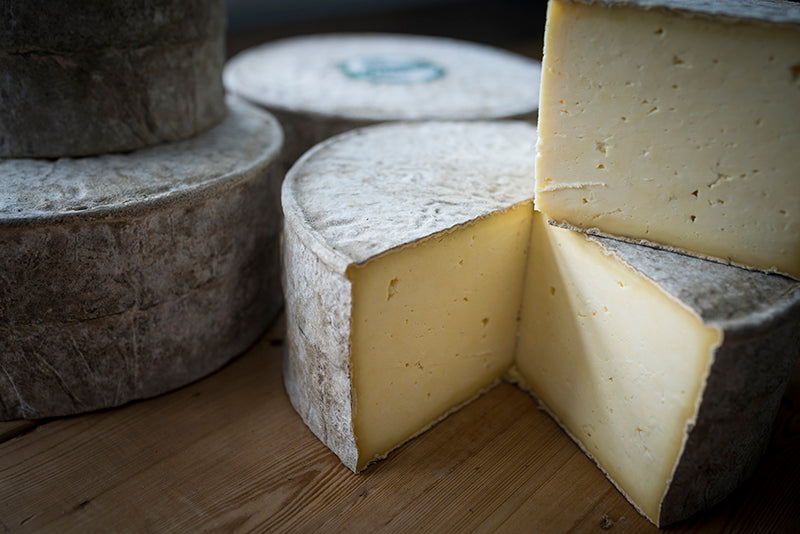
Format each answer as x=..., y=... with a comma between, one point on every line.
x=81, y=78
x=322, y=85
x=125, y=276
x=407, y=264
x=667, y=370
x=675, y=126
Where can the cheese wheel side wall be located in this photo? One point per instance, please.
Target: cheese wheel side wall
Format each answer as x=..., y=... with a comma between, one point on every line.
x=153, y=75
x=316, y=366
x=96, y=311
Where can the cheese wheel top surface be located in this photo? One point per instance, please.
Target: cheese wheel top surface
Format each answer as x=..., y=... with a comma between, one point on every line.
x=44, y=189
x=367, y=191
x=386, y=77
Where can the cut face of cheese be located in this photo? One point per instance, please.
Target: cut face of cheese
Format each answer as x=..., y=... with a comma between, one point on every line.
x=616, y=361
x=407, y=262
x=674, y=128
x=433, y=324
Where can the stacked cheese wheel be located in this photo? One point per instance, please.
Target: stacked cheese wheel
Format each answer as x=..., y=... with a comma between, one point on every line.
x=81, y=79
x=417, y=273
x=322, y=85
x=125, y=275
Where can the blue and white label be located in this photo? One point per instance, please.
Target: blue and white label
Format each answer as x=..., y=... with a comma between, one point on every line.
x=391, y=69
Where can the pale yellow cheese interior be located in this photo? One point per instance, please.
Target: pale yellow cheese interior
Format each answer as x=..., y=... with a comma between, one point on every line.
x=619, y=363
x=433, y=323
x=678, y=130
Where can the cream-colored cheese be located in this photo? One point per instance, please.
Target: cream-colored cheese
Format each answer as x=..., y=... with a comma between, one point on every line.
x=677, y=129
x=404, y=276
x=433, y=324
x=615, y=359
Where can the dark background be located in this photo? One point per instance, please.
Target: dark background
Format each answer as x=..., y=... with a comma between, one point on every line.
x=517, y=25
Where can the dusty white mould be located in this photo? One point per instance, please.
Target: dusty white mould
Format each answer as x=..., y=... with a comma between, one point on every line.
x=322, y=85
x=81, y=78
x=413, y=263
x=125, y=276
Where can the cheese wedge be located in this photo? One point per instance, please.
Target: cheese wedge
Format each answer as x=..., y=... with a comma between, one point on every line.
x=675, y=126
x=410, y=251
x=637, y=352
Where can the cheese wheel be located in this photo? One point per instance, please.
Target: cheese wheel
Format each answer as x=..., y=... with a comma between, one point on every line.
x=125, y=276
x=675, y=123
x=322, y=85
x=417, y=275
x=83, y=78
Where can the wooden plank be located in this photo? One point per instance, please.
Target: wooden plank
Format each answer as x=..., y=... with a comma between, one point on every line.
x=228, y=452
x=11, y=429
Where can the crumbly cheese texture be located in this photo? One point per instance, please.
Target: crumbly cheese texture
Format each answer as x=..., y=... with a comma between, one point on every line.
x=405, y=301
x=674, y=128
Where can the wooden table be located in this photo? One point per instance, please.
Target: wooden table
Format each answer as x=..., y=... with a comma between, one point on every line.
x=228, y=453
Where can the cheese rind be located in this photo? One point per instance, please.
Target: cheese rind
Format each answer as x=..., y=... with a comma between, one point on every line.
x=80, y=79
x=309, y=84
x=674, y=129
x=125, y=276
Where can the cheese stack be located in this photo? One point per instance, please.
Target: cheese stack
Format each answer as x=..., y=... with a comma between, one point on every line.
x=125, y=275
x=675, y=123
x=81, y=79
x=417, y=275
x=322, y=85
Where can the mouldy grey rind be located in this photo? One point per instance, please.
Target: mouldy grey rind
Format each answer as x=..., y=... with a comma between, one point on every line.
x=126, y=276
x=83, y=78
x=759, y=317
x=301, y=81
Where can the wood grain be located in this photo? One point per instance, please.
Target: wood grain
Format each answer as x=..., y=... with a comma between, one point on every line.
x=228, y=453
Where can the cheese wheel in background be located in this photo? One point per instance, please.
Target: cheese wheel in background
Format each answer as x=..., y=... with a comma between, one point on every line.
x=675, y=123
x=322, y=85
x=126, y=276
x=81, y=78
x=407, y=265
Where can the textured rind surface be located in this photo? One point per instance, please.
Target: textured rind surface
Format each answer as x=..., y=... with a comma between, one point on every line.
x=596, y=232
x=342, y=207
x=83, y=78
x=316, y=365
x=448, y=173
x=299, y=81
x=769, y=11
x=168, y=270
